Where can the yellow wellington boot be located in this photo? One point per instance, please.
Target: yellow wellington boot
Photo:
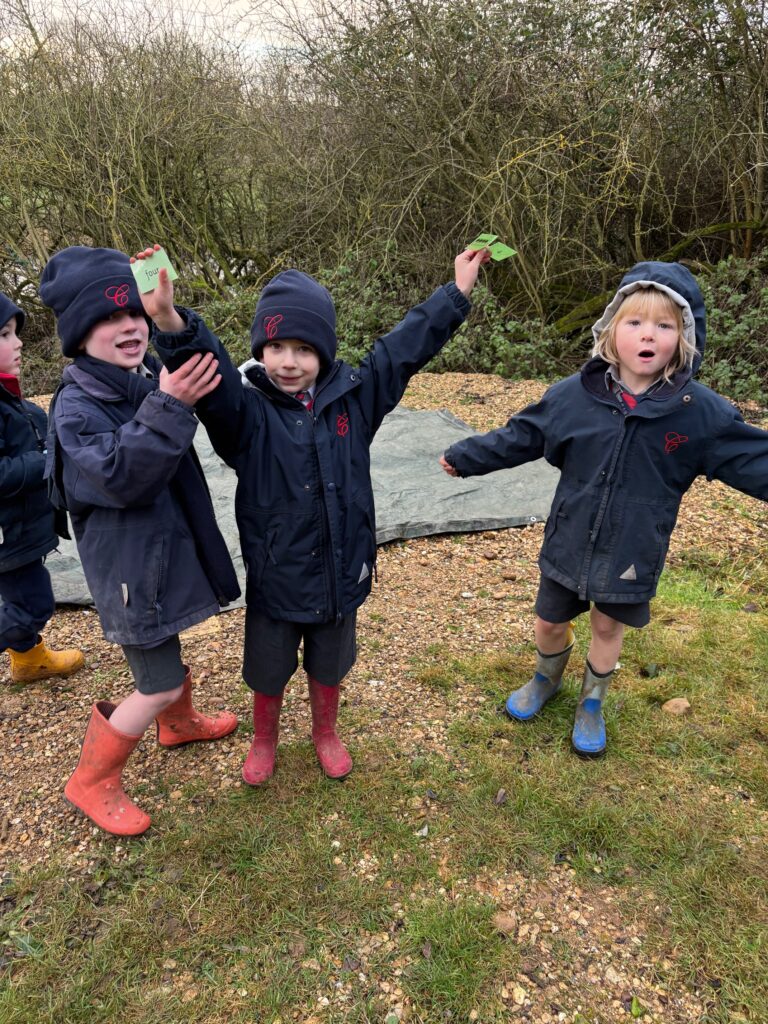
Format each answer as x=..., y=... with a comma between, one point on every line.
x=40, y=663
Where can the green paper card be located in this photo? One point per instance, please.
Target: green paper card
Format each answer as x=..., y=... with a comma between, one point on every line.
x=145, y=271
x=499, y=251
x=482, y=242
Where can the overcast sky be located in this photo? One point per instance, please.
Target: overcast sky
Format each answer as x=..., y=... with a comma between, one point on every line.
x=234, y=20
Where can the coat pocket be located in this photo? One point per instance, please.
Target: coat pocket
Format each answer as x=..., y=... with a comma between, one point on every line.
x=126, y=580
x=640, y=550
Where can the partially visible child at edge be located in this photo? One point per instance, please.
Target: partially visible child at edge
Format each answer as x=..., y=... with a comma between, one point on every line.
x=299, y=440
x=629, y=433
x=153, y=557
x=27, y=520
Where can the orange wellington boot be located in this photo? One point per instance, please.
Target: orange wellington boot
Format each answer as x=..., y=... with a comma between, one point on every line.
x=260, y=762
x=180, y=723
x=95, y=787
x=331, y=753
x=41, y=663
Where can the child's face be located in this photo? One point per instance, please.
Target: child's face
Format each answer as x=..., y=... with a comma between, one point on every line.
x=644, y=345
x=10, y=349
x=290, y=364
x=122, y=340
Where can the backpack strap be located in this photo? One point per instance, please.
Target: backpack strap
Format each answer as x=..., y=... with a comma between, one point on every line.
x=54, y=471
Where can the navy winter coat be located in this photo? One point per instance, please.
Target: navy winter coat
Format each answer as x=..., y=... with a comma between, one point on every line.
x=623, y=473
x=27, y=530
x=137, y=549
x=304, y=501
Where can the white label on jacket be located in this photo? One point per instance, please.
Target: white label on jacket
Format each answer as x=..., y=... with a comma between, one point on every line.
x=364, y=573
x=124, y=587
x=629, y=574
x=2, y=538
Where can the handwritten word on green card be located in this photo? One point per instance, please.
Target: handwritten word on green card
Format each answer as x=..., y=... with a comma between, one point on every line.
x=146, y=271
x=497, y=249
x=482, y=242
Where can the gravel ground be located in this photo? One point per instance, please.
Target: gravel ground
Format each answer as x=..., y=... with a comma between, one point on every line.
x=421, y=590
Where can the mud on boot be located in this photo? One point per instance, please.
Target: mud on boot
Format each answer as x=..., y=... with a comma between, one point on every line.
x=95, y=786
x=588, y=738
x=547, y=679
x=42, y=663
x=181, y=723
x=259, y=764
x=331, y=753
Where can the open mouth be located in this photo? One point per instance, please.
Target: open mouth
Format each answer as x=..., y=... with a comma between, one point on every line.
x=130, y=346
x=646, y=353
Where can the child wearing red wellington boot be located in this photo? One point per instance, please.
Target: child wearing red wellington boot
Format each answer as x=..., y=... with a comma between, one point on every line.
x=299, y=439
x=153, y=557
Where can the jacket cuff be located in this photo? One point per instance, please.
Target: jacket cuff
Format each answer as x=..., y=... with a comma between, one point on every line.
x=170, y=400
x=458, y=298
x=450, y=459
x=176, y=339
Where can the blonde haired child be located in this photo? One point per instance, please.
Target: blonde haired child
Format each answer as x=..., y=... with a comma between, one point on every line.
x=630, y=433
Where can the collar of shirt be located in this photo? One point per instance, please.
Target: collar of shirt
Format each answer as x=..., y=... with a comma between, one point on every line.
x=307, y=397
x=614, y=383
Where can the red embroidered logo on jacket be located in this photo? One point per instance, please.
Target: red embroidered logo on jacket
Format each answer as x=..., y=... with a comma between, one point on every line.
x=270, y=325
x=673, y=441
x=342, y=424
x=118, y=293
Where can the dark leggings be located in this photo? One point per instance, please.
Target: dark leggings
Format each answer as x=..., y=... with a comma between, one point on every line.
x=27, y=606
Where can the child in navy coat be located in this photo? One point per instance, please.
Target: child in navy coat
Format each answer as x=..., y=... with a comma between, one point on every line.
x=299, y=439
x=27, y=521
x=629, y=433
x=155, y=562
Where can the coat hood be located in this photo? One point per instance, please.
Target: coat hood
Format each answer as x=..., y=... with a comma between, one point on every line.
x=680, y=285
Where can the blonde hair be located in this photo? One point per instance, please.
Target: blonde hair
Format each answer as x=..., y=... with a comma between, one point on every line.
x=654, y=304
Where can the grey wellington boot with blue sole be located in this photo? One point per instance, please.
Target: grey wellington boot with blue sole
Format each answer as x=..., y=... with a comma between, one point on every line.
x=547, y=679
x=588, y=738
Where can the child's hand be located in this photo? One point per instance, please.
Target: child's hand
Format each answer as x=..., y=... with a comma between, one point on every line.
x=449, y=469
x=467, y=266
x=193, y=380
x=158, y=304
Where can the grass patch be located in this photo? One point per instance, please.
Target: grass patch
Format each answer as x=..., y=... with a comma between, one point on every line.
x=310, y=900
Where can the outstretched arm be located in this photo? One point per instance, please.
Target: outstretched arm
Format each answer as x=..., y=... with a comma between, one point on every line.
x=521, y=440
x=397, y=356
x=738, y=455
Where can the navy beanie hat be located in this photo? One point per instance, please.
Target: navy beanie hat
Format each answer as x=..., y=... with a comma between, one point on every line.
x=9, y=309
x=294, y=305
x=84, y=286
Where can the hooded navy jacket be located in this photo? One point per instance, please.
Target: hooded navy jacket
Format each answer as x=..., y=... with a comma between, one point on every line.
x=304, y=501
x=138, y=552
x=27, y=530
x=624, y=473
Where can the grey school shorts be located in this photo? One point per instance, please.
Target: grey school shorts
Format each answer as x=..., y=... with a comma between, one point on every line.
x=556, y=603
x=271, y=651
x=156, y=669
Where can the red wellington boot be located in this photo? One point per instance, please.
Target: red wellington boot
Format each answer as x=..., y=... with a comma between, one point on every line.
x=180, y=723
x=95, y=787
x=260, y=762
x=331, y=753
